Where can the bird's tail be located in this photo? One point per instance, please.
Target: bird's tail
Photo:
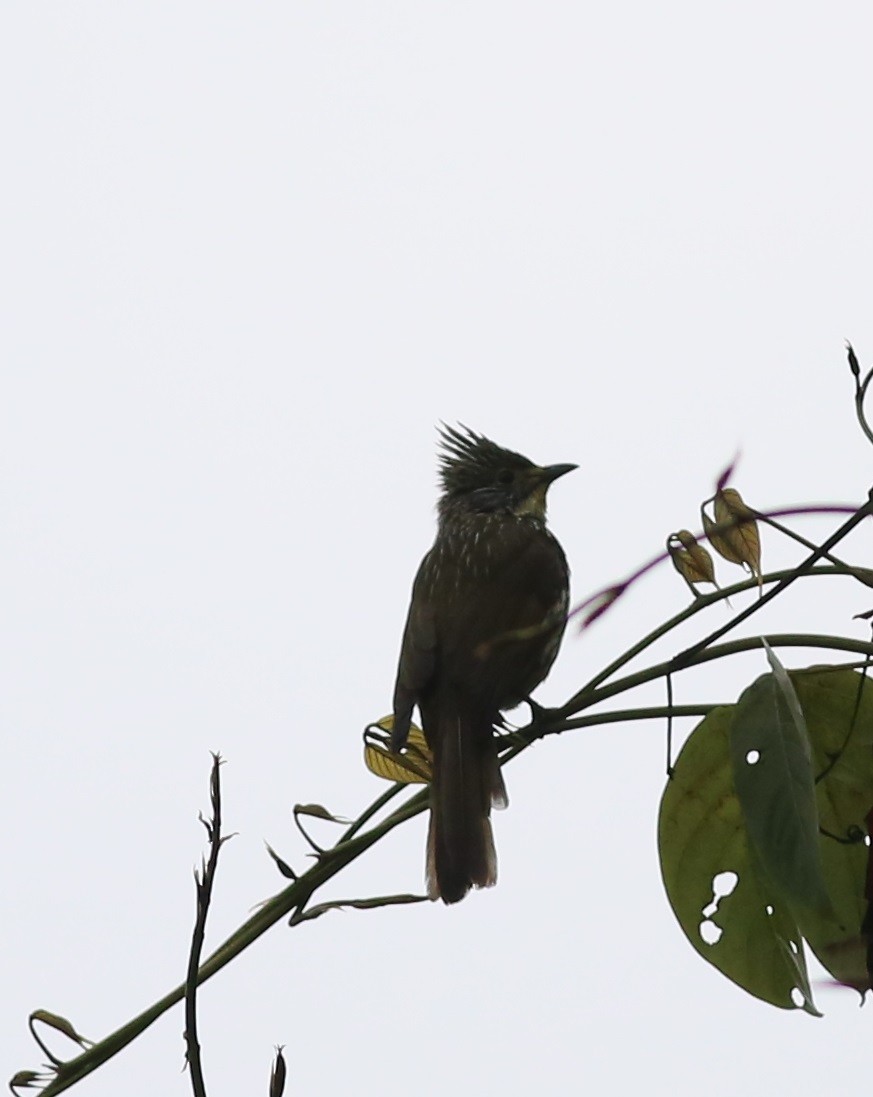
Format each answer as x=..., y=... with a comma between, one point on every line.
x=466, y=784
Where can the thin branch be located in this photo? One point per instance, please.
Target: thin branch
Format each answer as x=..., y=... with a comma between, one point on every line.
x=793, y=535
x=860, y=390
x=703, y=602
x=203, y=882
x=669, y=680
x=554, y=718
x=625, y=716
x=273, y=911
x=372, y=810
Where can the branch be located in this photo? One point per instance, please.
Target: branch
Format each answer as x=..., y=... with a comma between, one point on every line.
x=203, y=882
x=702, y=602
x=292, y=898
x=550, y=721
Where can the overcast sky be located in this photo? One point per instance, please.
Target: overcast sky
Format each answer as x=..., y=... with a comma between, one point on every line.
x=251, y=255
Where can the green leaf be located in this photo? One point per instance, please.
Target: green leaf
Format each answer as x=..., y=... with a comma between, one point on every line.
x=789, y=695
x=60, y=1024
x=748, y=934
x=311, y=913
x=703, y=837
x=773, y=775
x=318, y=811
x=27, y=1079
x=281, y=865
x=838, y=706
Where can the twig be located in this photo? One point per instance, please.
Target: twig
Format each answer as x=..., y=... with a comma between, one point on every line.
x=703, y=602
x=203, y=880
x=860, y=390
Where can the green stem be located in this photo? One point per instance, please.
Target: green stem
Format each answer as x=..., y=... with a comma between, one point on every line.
x=372, y=810
x=702, y=602
x=583, y=699
x=522, y=739
x=622, y=716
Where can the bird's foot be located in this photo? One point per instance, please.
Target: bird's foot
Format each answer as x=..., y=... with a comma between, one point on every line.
x=538, y=713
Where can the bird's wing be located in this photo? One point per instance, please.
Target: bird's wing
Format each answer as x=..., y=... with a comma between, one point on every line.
x=417, y=660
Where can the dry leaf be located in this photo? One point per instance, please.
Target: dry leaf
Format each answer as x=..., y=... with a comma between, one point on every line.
x=690, y=558
x=734, y=533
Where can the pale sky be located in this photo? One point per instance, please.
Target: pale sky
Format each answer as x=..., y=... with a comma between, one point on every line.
x=251, y=256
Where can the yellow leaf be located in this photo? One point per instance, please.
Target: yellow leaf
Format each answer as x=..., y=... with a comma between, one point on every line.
x=413, y=767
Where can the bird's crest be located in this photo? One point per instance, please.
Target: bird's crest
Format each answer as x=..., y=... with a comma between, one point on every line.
x=469, y=460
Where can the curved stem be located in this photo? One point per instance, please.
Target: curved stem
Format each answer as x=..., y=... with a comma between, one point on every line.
x=860, y=397
x=583, y=699
x=702, y=602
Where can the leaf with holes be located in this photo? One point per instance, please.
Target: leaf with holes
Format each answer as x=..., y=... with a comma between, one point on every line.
x=773, y=776
x=747, y=931
x=749, y=935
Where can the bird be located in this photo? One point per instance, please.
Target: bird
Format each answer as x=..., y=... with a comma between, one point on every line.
x=486, y=618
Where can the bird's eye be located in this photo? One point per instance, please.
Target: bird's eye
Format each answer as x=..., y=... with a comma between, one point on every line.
x=505, y=476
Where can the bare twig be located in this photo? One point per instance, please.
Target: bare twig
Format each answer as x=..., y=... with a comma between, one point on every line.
x=860, y=390
x=203, y=880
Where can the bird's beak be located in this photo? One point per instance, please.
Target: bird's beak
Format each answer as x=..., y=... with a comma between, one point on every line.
x=551, y=472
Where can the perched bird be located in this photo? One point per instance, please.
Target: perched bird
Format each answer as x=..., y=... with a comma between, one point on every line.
x=488, y=610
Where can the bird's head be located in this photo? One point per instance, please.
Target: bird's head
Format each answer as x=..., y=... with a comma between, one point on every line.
x=480, y=476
